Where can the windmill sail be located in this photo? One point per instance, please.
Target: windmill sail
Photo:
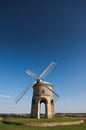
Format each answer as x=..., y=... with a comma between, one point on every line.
x=31, y=73
x=47, y=70
x=23, y=92
x=56, y=96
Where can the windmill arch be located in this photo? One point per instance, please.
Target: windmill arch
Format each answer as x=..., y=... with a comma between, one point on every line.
x=44, y=101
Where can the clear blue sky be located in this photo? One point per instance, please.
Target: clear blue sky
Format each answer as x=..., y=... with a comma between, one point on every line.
x=32, y=34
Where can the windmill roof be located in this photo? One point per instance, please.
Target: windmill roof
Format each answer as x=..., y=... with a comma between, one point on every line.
x=44, y=82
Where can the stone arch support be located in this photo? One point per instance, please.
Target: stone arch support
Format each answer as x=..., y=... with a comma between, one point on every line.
x=42, y=95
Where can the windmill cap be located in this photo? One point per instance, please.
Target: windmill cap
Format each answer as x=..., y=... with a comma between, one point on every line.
x=42, y=82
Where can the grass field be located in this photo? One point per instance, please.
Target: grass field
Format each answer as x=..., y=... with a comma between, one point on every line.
x=59, y=119
x=17, y=127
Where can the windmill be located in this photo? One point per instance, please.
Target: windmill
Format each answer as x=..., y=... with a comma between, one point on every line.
x=42, y=93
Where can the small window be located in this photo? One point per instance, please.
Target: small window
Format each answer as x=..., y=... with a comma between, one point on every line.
x=43, y=92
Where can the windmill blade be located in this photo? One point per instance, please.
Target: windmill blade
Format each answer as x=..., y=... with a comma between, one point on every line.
x=23, y=92
x=31, y=73
x=47, y=70
x=56, y=96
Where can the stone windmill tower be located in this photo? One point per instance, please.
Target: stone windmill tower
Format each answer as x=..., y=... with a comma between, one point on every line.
x=42, y=93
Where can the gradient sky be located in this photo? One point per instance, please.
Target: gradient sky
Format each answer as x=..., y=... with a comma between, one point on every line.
x=33, y=33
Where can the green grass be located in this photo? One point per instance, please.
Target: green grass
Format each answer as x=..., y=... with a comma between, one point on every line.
x=14, y=127
x=59, y=119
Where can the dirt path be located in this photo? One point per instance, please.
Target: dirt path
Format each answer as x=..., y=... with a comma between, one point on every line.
x=54, y=123
x=45, y=124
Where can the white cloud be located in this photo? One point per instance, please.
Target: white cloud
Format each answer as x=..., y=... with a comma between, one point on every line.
x=4, y=96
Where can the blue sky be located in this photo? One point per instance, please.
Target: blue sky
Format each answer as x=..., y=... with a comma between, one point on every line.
x=32, y=35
